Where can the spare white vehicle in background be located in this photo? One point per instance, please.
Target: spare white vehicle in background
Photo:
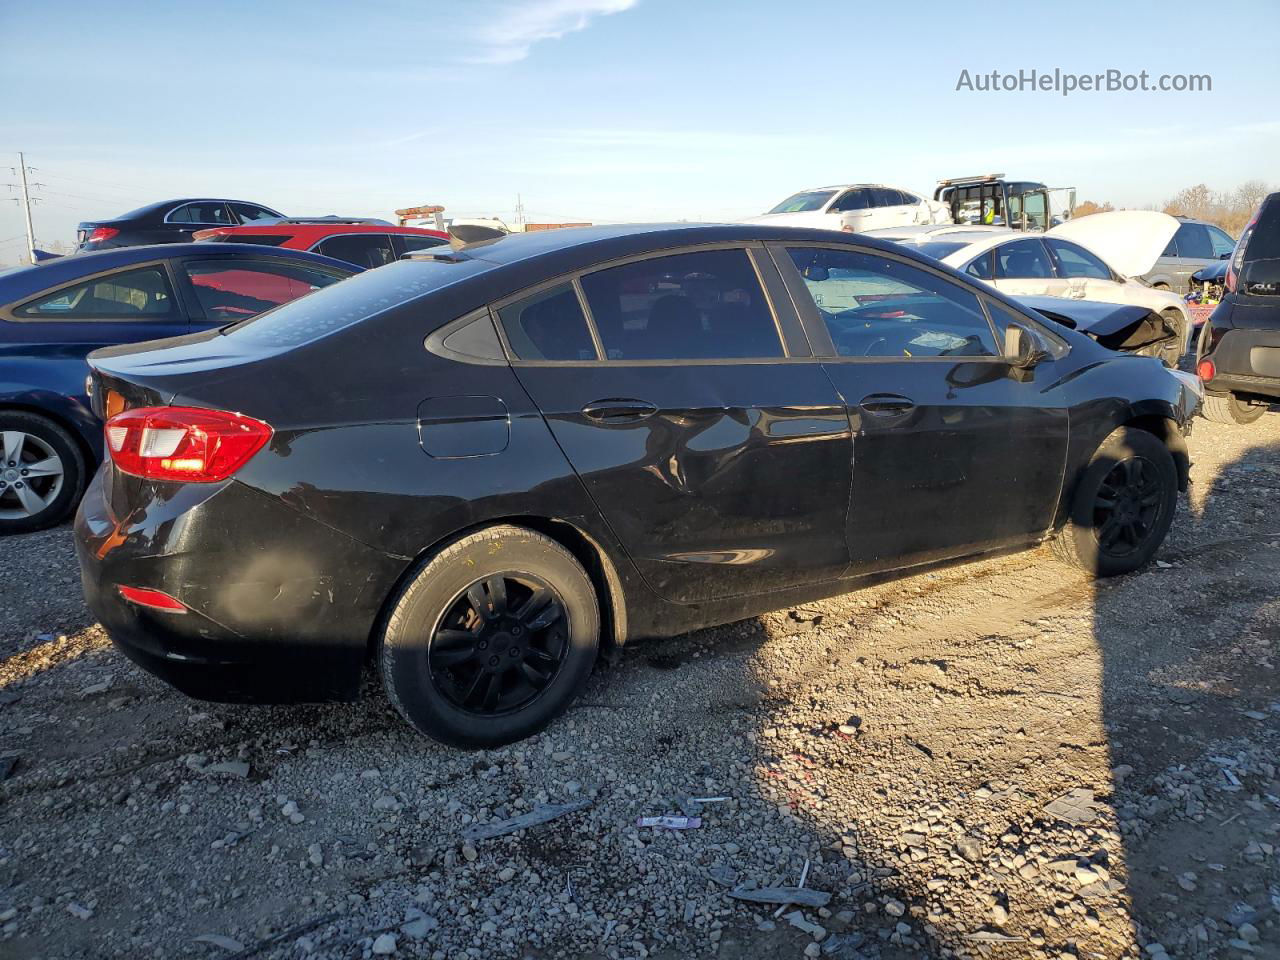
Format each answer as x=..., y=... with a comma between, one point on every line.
x=1093, y=258
x=855, y=207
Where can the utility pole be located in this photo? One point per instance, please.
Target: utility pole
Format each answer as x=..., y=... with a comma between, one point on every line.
x=26, y=206
x=519, y=211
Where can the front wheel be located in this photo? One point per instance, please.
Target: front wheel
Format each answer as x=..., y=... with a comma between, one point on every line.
x=491, y=639
x=1122, y=507
x=1228, y=408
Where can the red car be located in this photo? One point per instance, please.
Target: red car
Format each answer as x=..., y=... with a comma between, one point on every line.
x=366, y=243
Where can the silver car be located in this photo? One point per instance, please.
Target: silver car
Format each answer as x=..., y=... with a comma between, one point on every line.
x=1196, y=244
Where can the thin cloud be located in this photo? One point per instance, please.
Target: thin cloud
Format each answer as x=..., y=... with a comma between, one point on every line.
x=514, y=30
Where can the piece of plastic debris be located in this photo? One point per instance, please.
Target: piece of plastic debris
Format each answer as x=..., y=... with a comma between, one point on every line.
x=708, y=799
x=991, y=936
x=784, y=895
x=797, y=920
x=233, y=768
x=542, y=814
x=670, y=823
x=723, y=874
x=1075, y=806
x=218, y=940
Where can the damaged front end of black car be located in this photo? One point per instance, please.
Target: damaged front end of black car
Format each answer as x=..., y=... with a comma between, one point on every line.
x=1125, y=328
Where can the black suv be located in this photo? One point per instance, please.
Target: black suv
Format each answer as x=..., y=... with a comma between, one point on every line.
x=1238, y=354
x=169, y=221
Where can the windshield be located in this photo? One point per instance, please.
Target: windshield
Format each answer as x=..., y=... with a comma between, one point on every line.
x=804, y=202
x=363, y=296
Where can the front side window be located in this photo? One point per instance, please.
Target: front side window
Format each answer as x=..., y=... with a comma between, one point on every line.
x=236, y=289
x=410, y=242
x=363, y=249
x=689, y=306
x=1022, y=259
x=1074, y=261
x=1222, y=242
x=875, y=306
x=885, y=197
x=203, y=212
x=139, y=294
x=852, y=200
x=804, y=202
x=248, y=212
x=549, y=325
x=1193, y=241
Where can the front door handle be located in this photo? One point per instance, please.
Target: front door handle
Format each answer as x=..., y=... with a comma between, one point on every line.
x=619, y=410
x=887, y=405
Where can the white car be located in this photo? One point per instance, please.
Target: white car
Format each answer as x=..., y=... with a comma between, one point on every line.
x=855, y=207
x=1094, y=258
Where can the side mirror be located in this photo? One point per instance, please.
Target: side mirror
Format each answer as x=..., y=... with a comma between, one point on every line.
x=1021, y=348
x=816, y=273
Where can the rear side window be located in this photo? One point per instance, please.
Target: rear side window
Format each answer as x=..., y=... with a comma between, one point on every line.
x=689, y=306
x=409, y=242
x=549, y=325
x=204, y=212
x=363, y=249
x=875, y=306
x=981, y=267
x=238, y=289
x=139, y=294
x=1222, y=242
x=1074, y=261
x=1022, y=259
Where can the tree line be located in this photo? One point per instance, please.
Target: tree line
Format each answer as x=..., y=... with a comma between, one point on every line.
x=1229, y=209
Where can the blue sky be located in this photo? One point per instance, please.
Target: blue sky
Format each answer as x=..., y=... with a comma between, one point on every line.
x=608, y=109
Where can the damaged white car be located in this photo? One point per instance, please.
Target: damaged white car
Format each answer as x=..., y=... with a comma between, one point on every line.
x=855, y=207
x=1095, y=258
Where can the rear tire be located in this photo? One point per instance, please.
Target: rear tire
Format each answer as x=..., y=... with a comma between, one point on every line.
x=42, y=472
x=491, y=638
x=1122, y=506
x=1228, y=408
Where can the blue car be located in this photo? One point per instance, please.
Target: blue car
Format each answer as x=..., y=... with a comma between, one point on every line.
x=53, y=314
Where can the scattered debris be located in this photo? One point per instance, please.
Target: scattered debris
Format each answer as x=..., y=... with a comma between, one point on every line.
x=723, y=874
x=232, y=768
x=992, y=936
x=1075, y=806
x=218, y=940
x=543, y=814
x=783, y=896
x=800, y=922
x=670, y=823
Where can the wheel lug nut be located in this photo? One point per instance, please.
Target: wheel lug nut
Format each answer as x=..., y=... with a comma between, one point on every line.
x=516, y=631
x=515, y=651
x=484, y=644
x=25, y=472
x=18, y=484
x=493, y=661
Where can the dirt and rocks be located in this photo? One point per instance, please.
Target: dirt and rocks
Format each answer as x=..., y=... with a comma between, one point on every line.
x=1001, y=759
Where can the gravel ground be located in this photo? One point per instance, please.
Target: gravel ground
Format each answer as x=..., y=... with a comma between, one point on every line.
x=899, y=748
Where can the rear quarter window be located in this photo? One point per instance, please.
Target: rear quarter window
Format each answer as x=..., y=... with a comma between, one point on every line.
x=355, y=300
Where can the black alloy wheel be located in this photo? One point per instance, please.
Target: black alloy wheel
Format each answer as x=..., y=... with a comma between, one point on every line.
x=1127, y=506
x=499, y=644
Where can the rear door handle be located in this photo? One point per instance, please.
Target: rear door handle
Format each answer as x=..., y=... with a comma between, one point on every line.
x=887, y=405
x=619, y=410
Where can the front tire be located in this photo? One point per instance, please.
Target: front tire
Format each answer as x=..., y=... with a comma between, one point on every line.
x=491, y=639
x=42, y=472
x=1122, y=507
x=1228, y=408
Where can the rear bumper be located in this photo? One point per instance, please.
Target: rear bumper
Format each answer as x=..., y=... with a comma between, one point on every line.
x=280, y=608
x=1246, y=362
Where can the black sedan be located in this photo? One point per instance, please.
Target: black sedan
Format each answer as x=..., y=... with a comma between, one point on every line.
x=168, y=221
x=479, y=466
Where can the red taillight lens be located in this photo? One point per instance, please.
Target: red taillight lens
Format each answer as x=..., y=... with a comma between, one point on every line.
x=1206, y=371
x=152, y=599
x=102, y=233
x=186, y=444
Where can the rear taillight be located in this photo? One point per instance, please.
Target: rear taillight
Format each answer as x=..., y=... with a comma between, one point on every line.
x=185, y=444
x=1206, y=371
x=101, y=233
x=152, y=599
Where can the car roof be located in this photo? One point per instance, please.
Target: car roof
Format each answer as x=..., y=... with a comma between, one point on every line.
x=318, y=231
x=25, y=281
x=575, y=246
